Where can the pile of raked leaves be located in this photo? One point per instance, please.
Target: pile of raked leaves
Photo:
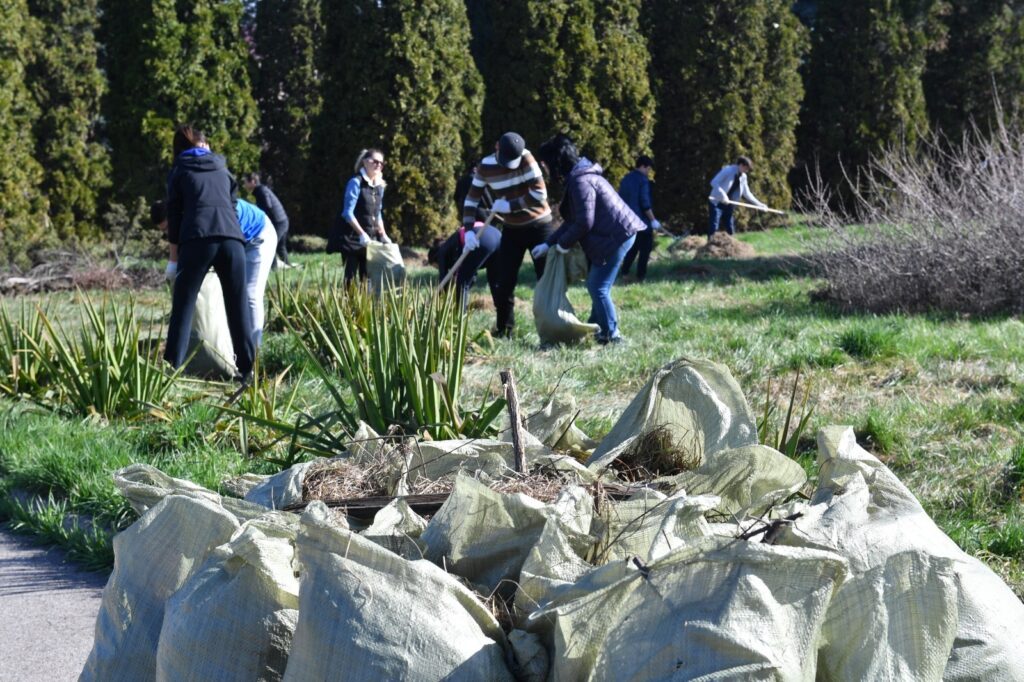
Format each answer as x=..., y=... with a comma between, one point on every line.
x=718, y=571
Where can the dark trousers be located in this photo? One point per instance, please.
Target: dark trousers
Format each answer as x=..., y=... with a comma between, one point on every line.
x=227, y=256
x=355, y=264
x=642, y=248
x=282, y=243
x=465, y=278
x=716, y=214
x=503, y=269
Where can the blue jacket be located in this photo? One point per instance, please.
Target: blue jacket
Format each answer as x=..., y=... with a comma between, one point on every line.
x=635, y=190
x=599, y=219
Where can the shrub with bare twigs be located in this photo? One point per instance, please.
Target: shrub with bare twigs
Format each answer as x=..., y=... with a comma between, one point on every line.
x=938, y=229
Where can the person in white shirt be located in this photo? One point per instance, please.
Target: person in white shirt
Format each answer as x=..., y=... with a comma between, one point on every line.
x=729, y=185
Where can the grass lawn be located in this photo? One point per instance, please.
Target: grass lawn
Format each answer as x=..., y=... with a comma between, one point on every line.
x=940, y=400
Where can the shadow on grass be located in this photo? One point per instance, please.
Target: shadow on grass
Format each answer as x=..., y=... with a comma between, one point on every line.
x=728, y=271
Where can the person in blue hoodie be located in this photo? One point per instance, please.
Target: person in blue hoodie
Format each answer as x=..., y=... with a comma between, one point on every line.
x=597, y=218
x=202, y=223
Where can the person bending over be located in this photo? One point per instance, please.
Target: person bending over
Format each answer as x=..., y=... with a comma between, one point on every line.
x=268, y=202
x=599, y=220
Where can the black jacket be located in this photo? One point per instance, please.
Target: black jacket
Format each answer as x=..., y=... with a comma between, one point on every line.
x=271, y=205
x=201, y=197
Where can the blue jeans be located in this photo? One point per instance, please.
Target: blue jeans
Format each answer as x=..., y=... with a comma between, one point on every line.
x=599, y=284
x=717, y=213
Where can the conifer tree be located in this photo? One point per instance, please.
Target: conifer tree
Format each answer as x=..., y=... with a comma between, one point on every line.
x=863, y=83
x=576, y=66
x=983, y=58
x=397, y=75
x=288, y=34
x=23, y=220
x=732, y=87
x=68, y=85
x=169, y=62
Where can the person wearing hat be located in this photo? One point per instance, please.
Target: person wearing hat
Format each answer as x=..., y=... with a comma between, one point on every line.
x=729, y=185
x=520, y=198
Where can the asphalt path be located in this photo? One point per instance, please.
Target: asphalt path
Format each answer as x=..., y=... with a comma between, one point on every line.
x=48, y=611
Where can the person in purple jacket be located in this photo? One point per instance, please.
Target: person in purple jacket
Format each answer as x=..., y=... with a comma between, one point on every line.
x=598, y=218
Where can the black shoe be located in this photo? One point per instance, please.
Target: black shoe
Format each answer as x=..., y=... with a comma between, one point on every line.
x=604, y=340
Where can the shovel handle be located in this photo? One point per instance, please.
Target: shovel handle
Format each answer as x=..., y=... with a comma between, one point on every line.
x=455, y=267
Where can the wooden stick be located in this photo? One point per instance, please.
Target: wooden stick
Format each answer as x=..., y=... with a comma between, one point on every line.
x=757, y=208
x=512, y=399
x=455, y=268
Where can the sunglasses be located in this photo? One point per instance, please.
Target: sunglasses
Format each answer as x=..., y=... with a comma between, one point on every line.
x=376, y=162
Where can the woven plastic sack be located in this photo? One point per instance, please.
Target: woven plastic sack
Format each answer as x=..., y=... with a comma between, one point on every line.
x=650, y=525
x=722, y=609
x=283, y=488
x=153, y=558
x=235, y=617
x=145, y=486
x=484, y=536
x=555, y=426
x=698, y=401
x=210, y=337
x=553, y=314
x=921, y=608
x=576, y=266
x=751, y=479
x=367, y=614
x=384, y=265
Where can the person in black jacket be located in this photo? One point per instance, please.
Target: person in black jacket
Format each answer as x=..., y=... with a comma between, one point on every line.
x=201, y=221
x=361, y=218
x=271, y=205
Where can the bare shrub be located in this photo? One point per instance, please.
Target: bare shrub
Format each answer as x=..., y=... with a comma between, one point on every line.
x=936, y=229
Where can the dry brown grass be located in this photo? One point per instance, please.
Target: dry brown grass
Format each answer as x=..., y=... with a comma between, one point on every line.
x=658, y=453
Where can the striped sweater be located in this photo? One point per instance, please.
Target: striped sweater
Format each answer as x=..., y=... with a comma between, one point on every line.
x=523, y=188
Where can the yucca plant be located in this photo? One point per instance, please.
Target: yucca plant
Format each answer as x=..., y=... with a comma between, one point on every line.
x=266, y=404
x=401, y=354
x=22, y=372
x=288, y=294
x=785, y=438
x=103, y=370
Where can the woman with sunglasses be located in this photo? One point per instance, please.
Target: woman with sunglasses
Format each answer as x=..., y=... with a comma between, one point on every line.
x=361, y=219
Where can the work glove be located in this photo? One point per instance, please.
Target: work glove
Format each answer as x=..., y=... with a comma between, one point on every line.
x=171, y=271
x=363, y=239
x=501, y=206
x=472, y=242
x=655, y=224
x=539, y=251
x=561, y=249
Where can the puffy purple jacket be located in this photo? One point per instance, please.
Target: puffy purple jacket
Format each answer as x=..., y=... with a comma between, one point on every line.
x=599, y=219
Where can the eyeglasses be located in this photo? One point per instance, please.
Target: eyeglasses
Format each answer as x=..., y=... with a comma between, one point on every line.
x=376, y=162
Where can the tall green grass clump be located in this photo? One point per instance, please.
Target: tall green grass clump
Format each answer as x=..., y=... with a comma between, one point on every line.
x=106, y=368
x=401, y=355
x=22, y=343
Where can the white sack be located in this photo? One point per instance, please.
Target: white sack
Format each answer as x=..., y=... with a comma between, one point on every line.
x=210, y=337
x=235, y=617
x=919, y=606
x=283, y=488
x=553, y=314
x=384, y=265
x=367, y=614
x=152, y=559
x=145, y=486
x=698, y=401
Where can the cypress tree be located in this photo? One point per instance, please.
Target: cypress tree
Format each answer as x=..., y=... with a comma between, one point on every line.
x=983, y=57
x=864, y=89
x=68, y=85
x=576, y=66
x=730, y=87
x=23, y=221
x=397, y=75
x=169, y=62
x=288, y=34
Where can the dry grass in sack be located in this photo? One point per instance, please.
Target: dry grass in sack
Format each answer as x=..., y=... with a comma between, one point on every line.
x=657, y=453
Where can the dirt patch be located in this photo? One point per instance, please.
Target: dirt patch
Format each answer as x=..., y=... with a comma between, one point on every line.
x=687, y=244
x=68, y=276
x=723, y=245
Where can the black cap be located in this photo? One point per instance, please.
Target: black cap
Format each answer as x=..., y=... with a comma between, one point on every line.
x=510, y=150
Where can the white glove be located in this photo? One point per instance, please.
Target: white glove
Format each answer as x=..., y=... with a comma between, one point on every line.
x=171, y=271
x=385, y=237
x=538, y=251
x=471, y=242
x=501, y=206
x=655, y=224
x=561, y=249
x=363, y=239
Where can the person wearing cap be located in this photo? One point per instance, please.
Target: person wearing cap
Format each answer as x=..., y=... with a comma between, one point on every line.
x=729, y=185
x=599, y=220
x=520, y=198
x=635, y=190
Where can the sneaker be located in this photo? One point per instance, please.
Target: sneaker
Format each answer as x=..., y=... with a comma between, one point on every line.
x=604, y=340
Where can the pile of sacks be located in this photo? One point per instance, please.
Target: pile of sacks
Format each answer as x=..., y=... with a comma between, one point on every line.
x=688, y=578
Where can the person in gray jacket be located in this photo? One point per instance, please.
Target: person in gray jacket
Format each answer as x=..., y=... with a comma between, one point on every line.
x=730, y=184
x=603, y=224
